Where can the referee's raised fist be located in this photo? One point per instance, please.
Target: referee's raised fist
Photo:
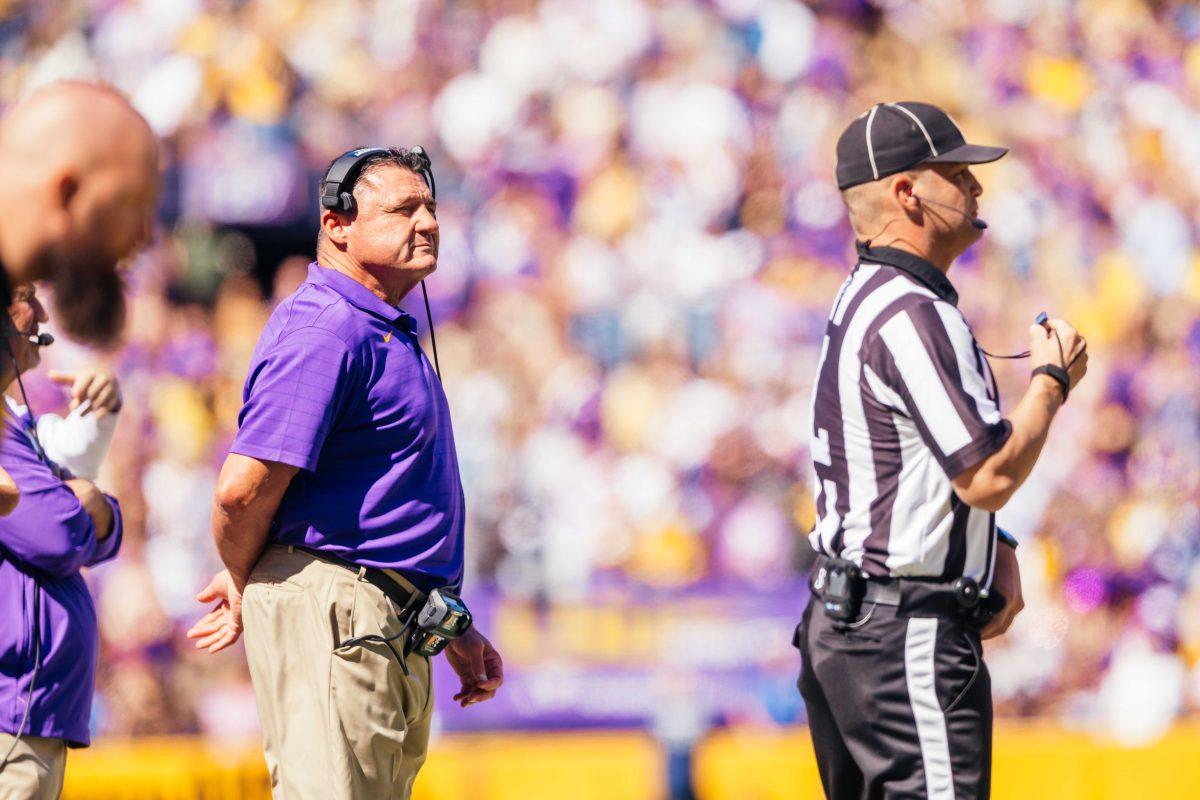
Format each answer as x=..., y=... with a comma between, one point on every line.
x=1059, y=344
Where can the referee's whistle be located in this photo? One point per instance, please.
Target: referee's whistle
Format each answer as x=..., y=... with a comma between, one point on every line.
x=1042, y=319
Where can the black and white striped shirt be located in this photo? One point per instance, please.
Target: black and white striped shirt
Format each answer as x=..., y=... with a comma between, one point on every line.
x=904, y=401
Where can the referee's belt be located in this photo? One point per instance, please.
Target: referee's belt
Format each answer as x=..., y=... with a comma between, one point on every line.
x=883, y=594
x=920, y=595
x=399, y=589
x=916, y=596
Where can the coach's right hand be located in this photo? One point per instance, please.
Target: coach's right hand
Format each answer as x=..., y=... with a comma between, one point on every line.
x=478, y=665
x=1043, y=349
x=222, y=626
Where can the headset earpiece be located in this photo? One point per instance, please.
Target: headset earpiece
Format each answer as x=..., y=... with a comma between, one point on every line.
x=336, y=194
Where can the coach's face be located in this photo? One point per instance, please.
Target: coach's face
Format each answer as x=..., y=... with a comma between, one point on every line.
x=395, y=227
x=27, y=315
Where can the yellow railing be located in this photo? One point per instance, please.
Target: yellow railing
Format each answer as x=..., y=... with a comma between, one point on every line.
x=1031, y=762
x=498, y=766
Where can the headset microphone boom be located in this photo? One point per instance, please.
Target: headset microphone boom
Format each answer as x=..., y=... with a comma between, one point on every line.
x=975, y=221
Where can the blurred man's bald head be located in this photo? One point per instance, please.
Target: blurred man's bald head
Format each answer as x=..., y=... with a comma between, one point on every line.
x=84, y=123
x=83, y=166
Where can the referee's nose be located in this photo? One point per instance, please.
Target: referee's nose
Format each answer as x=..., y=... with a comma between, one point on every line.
x=975, y=187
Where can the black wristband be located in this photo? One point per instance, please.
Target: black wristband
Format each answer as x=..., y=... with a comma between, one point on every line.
x=1059, y=374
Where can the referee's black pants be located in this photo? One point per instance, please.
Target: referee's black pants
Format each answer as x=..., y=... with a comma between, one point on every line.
x=899, y=704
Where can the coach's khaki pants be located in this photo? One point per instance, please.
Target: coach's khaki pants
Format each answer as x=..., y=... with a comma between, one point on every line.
x=35, y=769
x=336, y=725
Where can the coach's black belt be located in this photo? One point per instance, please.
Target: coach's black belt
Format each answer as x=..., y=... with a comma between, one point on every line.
x=402, y=596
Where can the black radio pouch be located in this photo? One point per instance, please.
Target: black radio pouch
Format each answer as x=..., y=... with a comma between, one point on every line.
x=990, y=606
x=840, y=585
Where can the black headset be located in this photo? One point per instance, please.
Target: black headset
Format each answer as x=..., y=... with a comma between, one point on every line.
x=337, y=188
x=337, y=194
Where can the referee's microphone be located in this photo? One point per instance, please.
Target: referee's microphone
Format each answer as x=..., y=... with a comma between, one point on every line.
x=975, y=221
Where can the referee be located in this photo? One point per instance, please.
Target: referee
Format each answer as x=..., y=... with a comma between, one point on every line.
x=912, y=458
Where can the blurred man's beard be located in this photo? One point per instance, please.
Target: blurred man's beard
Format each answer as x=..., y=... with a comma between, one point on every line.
x=89, y=298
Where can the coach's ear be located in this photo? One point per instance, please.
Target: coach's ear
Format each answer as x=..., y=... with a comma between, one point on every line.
x=334, y=225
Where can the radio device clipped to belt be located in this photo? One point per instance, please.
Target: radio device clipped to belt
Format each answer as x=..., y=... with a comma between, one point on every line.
x=425, y=630
x=840, y=585
x=426, y=627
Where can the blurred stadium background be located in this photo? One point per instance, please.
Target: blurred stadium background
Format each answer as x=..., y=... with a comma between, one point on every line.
x=641, y=238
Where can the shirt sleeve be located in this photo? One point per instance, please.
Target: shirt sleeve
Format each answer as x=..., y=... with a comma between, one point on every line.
x=78, y=441
x=106, y=548
x=295, y=392
x=927, y=355
x=51, y=531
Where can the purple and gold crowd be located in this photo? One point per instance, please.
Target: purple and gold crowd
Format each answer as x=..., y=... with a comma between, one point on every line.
x=641, y=238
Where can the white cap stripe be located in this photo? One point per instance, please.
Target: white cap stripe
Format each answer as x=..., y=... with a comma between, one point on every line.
x=870, y=147
x=920, y=125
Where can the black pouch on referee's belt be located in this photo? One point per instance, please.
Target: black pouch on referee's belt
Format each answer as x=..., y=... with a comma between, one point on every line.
x=977, y=606
x=839, y=584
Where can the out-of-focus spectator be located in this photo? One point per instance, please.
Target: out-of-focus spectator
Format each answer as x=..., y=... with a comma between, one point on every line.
x=641, y=233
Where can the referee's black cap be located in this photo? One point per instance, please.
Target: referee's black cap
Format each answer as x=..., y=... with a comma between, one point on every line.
x=893, y=137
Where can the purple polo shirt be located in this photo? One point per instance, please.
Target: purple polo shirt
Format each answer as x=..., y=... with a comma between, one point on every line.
x=48, y=537
x=340, y=388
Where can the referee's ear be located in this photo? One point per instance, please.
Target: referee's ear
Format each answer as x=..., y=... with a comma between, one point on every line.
x=901, y=191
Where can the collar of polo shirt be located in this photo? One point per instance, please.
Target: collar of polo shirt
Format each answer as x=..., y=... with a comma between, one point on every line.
x=924, y=271
x=360, y=296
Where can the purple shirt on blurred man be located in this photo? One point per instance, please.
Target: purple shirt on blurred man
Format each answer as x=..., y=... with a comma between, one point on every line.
x=43, y=545
x=339, y=387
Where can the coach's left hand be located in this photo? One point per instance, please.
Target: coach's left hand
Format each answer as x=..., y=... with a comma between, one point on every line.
x=478, y=665
x=95, y=385
x=222, y=626
x=1007, y=580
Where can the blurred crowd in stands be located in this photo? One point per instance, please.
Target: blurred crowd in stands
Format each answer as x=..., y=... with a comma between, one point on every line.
x=641, y=239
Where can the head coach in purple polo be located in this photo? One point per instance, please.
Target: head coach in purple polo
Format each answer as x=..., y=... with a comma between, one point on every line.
x=912, y=457
x=339, y=511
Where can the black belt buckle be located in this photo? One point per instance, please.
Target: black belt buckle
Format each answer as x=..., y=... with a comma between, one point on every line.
x=840, y=584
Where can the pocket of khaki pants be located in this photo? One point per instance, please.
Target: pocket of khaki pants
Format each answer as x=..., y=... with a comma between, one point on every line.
x=366, y=687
